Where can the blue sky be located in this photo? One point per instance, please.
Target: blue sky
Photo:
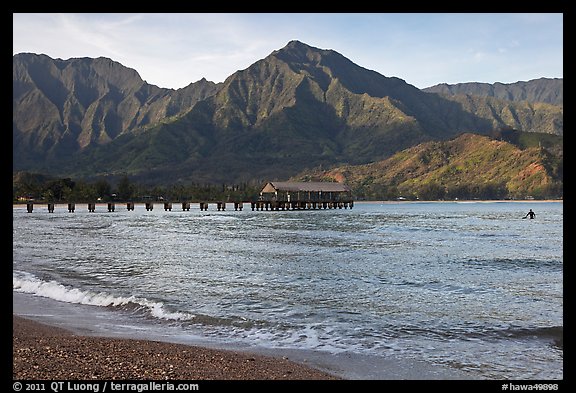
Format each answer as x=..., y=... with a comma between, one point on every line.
x=174, y=50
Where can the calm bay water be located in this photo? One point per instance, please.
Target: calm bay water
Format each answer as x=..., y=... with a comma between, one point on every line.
x=470, y=287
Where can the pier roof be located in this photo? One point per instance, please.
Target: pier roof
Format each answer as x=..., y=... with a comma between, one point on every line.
x=305, y=186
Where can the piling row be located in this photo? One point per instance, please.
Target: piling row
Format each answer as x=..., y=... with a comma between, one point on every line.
x=220, y=206
x=302, y=205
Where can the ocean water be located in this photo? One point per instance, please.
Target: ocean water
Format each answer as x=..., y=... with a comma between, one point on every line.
x=409, y=290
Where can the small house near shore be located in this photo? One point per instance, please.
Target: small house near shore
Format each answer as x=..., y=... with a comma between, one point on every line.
x=299, y=193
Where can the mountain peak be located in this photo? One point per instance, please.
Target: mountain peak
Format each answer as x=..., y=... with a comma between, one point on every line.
x=299, y=51
x=295, y=44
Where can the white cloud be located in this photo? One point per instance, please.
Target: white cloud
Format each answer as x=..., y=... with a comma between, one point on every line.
x=173, y=50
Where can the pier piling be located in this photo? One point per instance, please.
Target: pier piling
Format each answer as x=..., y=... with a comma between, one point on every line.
x=258, y=205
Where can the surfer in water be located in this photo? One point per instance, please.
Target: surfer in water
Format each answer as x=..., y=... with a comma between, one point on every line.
x=531, y=214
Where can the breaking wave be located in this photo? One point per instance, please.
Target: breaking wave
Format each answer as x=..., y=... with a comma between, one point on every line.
x=28, y=283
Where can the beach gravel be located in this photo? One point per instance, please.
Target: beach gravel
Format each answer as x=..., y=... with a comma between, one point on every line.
x=42, y=352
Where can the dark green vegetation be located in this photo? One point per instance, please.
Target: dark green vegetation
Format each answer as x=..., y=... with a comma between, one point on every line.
x=40, y=188
x=297, y=109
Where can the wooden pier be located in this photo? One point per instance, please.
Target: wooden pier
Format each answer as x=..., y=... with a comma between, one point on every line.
x=304, y=195
x=314, y=205
x=275, y=196
x=204, y=206
x=111, y=206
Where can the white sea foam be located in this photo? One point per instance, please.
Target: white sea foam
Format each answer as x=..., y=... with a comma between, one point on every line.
x=28, y=283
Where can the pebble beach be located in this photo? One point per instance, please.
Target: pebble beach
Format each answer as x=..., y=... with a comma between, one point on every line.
x=43, y=352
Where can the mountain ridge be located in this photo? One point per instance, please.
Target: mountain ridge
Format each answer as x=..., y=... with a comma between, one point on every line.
x=84, y=101
x=546, y=90
x=297, y=108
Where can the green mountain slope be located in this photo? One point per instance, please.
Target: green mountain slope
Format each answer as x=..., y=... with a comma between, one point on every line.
x=64, y=106
x=469, y=166
x=300, y=107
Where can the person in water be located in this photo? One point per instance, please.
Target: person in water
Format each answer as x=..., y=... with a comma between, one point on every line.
x=531, y=214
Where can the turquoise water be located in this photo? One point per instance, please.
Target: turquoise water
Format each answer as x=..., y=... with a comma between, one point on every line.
x=471, y=287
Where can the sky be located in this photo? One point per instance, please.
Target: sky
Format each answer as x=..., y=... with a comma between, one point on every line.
x=424, y=49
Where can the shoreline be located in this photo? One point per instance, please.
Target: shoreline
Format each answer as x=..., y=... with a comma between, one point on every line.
x=93, y=324
x=47, y=352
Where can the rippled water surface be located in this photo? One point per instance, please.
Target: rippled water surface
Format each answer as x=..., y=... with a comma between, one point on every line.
x=470, y=286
